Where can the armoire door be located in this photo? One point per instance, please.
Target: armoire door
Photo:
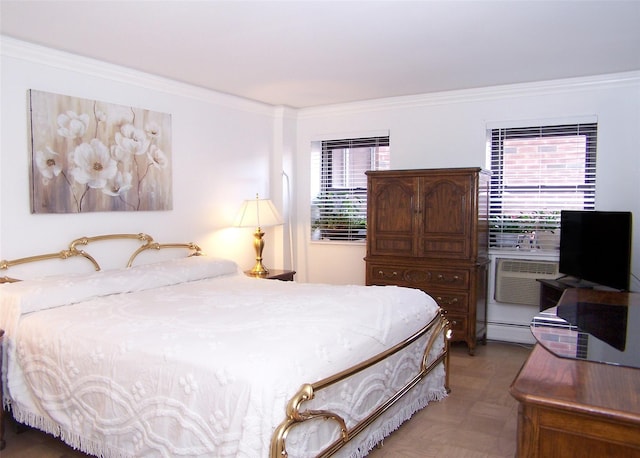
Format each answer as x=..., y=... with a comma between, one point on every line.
x=447, y=216
x=391, y=218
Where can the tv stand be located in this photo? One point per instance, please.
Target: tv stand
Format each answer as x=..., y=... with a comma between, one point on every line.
x=551, y=290
x=571, y=282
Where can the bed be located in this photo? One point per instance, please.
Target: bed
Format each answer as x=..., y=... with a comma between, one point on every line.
x=187, y=356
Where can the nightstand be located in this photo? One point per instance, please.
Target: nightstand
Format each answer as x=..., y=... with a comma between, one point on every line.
x=275, y=274
x=1, y=403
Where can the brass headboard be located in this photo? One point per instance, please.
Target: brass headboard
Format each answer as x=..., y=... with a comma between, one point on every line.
x=147, y=243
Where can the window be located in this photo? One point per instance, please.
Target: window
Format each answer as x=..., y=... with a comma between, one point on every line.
x=339, y=185
x=536, y=172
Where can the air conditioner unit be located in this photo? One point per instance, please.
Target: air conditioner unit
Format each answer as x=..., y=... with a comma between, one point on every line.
x=516, y=280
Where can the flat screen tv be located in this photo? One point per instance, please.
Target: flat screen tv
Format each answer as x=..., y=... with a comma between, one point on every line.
x=595, y=247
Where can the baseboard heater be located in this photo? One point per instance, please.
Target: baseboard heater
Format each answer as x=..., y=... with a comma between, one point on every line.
x=509, y=325
x=510, y=332
x=516, y=280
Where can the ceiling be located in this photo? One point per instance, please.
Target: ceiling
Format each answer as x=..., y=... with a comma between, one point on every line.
x=310, y=53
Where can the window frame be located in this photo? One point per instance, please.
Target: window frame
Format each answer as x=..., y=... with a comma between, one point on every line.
x=339, y=212
x=536, y=223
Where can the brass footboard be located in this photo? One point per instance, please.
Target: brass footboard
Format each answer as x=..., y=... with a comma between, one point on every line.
x=295, y=415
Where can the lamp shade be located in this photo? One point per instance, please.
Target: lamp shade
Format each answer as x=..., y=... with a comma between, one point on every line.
x=258, y=213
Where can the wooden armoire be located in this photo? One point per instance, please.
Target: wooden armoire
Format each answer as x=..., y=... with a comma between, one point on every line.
x=428, y=229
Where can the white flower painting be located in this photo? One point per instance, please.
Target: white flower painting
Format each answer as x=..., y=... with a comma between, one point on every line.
x=89, y=156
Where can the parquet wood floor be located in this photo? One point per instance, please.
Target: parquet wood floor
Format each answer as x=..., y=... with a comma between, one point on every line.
x=477, y=420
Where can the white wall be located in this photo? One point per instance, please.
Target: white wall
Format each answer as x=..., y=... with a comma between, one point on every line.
x=225, y=149
x=222, y=154
x=449, y=130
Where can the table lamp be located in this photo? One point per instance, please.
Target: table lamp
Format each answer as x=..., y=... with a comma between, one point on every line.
x=258, y=213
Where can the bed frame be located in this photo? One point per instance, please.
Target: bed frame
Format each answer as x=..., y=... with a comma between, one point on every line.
x=147, y=243
x=296, y=413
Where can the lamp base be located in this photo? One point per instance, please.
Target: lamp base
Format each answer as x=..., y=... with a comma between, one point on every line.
x=258, y=270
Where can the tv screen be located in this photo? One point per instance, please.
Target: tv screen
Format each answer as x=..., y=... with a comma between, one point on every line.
x=595, y=246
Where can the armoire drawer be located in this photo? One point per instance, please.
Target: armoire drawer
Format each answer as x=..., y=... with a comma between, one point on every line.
x=451, y=301
x=418, y=277
x=459, y=326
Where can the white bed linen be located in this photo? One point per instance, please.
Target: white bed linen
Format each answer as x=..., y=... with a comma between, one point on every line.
x=178, y=365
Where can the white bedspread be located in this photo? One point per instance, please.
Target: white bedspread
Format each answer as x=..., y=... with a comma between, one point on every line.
x=159, y=360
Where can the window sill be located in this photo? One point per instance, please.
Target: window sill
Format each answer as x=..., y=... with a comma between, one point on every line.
x=528, y=253
x=362, y=242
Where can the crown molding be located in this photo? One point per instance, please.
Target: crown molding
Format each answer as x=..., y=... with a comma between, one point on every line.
x=18, y=49
x=479, y=94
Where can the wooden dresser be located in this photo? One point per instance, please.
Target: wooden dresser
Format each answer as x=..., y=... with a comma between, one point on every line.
x=575, y=408
x=428, y=229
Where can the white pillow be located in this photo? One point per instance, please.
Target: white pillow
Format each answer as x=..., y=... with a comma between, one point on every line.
x=54, y=291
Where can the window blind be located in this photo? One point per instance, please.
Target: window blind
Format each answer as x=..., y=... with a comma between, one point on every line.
x=339, y=185
x=536, y=173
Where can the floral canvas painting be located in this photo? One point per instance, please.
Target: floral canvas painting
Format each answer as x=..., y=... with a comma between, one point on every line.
x=89, y=156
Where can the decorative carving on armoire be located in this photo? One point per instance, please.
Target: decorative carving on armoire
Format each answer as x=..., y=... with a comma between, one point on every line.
x=417, y=276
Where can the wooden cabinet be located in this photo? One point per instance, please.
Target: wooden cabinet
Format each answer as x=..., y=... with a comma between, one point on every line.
x=573, y=408
x=428, y=229
x=569, y=404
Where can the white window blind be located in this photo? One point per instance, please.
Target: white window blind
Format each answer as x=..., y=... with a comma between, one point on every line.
x=536, y=172
x=339, y=185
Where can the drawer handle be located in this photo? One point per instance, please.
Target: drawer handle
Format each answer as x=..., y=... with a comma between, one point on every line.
x=392, y=275
x=454, y=279
x=450, y=301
